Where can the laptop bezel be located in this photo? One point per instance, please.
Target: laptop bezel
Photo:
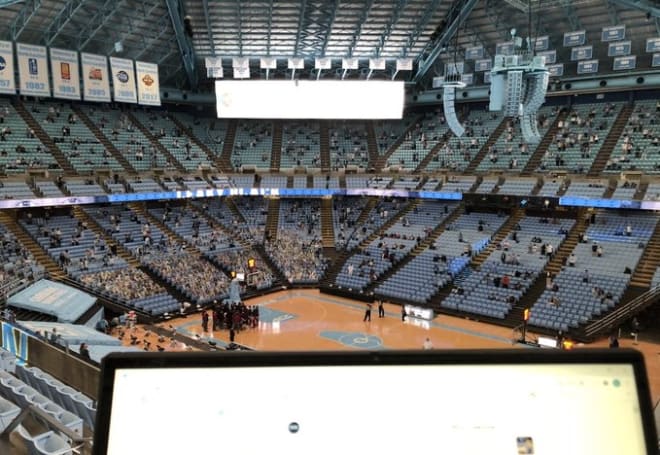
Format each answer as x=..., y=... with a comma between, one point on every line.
x=162, y=360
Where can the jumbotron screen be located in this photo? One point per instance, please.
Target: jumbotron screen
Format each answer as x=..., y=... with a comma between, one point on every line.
x=289, y=99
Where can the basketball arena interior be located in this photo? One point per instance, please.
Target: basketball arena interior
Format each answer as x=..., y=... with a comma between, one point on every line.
x=227, y=175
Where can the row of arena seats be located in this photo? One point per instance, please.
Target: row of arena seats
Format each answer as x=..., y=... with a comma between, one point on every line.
x=509, y=270
x=574, y=148
x=376, y=258
x=22, y=387
x=24, y=395
x=604, y=262
x=66, y=397
x=639, y=146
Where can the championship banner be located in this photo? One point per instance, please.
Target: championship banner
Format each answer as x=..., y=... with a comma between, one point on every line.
x=64, y=68
x=33, y=70
x=7, y=82
x=123, y=80
x=241, y=66
x=147, y=83
x=95, y=77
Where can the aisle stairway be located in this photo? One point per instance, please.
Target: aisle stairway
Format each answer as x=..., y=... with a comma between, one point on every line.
x=422, y=246
x=224, y=163
x=327, y=226
x=324, y=145
x=273, y=218
x=516, y=215
x=649, y=262
x=535, y=161
x=610, y=141
x=97, y=229
x=483, y=151
x=45, y=139
x=515, y=317
x=103, y=140
x=212, y=157
x=276, y=150
x=382, y=159
x=155, y=142
x=372, y=144
x=8, y=219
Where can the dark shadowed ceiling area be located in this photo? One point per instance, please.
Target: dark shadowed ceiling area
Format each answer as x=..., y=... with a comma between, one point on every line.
x=179, y=34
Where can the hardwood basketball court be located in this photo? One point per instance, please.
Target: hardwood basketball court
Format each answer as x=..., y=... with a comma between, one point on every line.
x=309, y=320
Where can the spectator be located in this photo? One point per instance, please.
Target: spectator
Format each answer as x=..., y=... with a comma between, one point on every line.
x=84, y=351
x=572, y=259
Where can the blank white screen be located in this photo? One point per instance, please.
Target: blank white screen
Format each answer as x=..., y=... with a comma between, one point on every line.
x=310, y=99
x=458, y=410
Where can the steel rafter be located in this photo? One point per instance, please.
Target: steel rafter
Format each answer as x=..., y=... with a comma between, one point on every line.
x=163, y=30
x=457, y=15
x=317, y=21
x=495, y=15
x=399, y=6
x=328, y=30
x=98, y=21
x=543, y=30
x=481, y=41
x=61, y=19
x=651, y=8
x=571, y=16
x=613, y=13
x=21, y=20
x=5, y=3
x=270, y=26
x=175, y=8
x=169, y=54
x=301, y=26
x=239, y=26
x=363, y=20
x=420, y=27
x=125, y=35
x=205, y=5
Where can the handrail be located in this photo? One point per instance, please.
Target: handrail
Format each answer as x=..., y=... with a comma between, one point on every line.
x=623, y=312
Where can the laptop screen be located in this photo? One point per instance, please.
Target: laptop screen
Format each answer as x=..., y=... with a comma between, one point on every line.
x=348, y=404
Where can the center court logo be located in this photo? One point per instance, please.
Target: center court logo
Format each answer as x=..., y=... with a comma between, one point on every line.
x=148, y=80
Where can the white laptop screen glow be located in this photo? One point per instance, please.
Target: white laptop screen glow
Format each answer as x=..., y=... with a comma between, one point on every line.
x=496, y=409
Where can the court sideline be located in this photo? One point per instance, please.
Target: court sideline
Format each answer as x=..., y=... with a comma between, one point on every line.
x=310, y=320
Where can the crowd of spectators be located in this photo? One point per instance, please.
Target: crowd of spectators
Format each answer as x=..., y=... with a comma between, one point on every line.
x=301, y=260
x=196, y=278
x=126, y=284
x=236, y=260
x=579, y=133
x=18, y=264
x=348, y=146
x=642, y=130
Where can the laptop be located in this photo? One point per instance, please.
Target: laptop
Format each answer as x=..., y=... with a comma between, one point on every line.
x=507, y=402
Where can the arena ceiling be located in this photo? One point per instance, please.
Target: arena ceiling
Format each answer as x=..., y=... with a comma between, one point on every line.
x=428, y=31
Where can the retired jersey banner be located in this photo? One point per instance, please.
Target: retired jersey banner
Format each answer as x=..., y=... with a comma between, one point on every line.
x=147, y=83
x=33, y=70
x=95, y=77
x=123, y=80
x=64, y=68
x=7, y=82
